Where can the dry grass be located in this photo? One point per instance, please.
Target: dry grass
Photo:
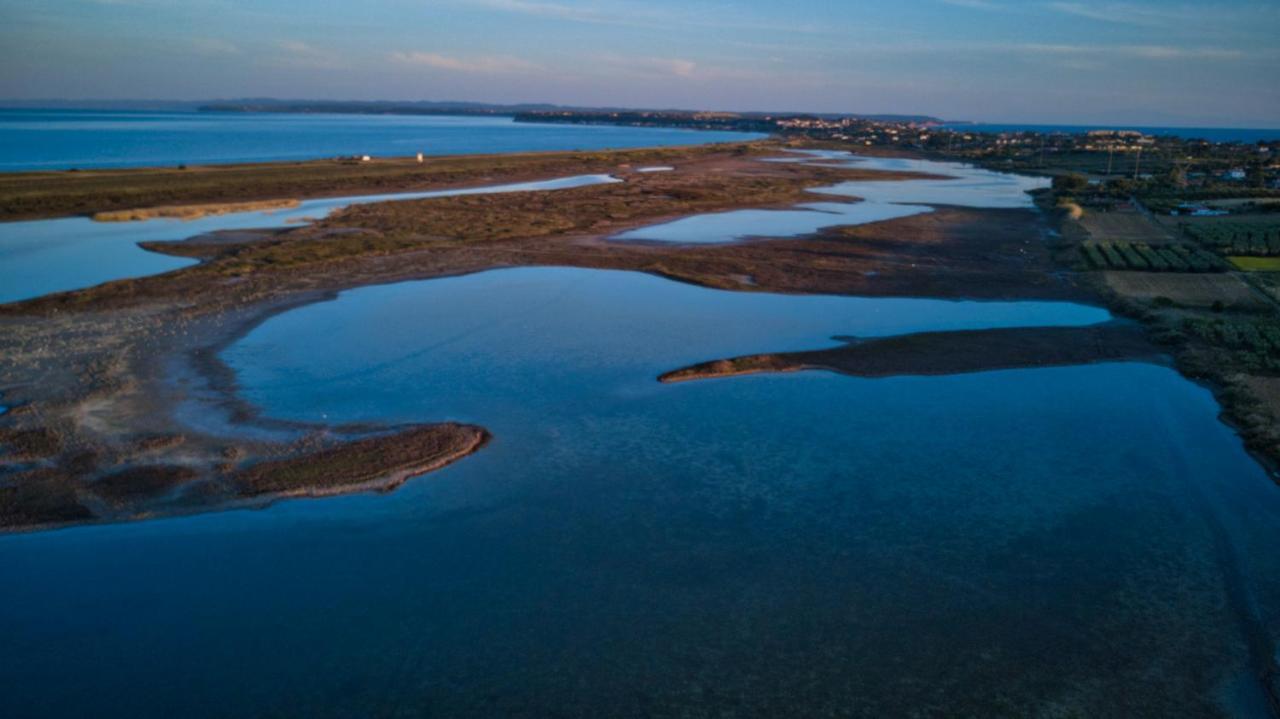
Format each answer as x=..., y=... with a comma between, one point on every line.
x=1188, y=290
x=347, y=466
x=29, y=195
x=1124, y=225
x=191, y=212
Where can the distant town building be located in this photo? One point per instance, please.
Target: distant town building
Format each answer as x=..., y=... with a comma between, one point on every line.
x=1195, y=209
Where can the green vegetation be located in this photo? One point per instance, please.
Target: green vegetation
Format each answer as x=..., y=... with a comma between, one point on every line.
x=1256, y=264
x=1149, y=258
x=1253, y=344
x=1070, y=183
x=1238, y=238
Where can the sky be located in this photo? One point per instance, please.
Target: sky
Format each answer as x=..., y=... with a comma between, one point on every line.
x=1206, y=63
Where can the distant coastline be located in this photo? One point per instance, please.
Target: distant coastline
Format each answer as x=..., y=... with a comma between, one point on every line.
x=1212, y=134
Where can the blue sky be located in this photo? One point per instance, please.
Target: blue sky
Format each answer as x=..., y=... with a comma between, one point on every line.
x=1198, y=63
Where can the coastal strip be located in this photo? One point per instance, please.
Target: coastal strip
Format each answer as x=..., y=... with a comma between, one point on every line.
x=946, y=353
x=192, y=212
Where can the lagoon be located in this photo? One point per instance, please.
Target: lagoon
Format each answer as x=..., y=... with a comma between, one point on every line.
x=1079, y=538
x=870, y=201
x=40, y=257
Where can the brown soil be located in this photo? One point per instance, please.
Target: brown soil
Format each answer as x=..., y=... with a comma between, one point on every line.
x=142, y=482
x=1191, y=290
x=1124, y=225
x=378, y=462
x=942, y=353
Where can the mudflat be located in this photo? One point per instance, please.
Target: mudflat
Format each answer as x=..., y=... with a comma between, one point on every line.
x=122, y=409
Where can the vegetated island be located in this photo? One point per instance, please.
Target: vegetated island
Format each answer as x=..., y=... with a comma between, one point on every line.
x=121, y=408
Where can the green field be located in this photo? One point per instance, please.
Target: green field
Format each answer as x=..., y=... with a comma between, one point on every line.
x=1259, y=238
x=1148, y=258
x=1257, y=264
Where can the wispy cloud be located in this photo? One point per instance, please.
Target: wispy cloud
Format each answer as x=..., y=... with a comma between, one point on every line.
x=1170, y=15
x=645, y=16
x=557, y=10
x=213, y=46
x=664, y=66
x=974, y=4
x=1147, y=52
x=298, y=54
x=675, y=70
x=486, y=64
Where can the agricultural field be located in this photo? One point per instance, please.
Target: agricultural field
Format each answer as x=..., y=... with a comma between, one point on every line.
x=1268, y=282
x=1125, y=223
x=1150, y=258
x=1256, y=264
x=1258, y=237
x=1187, y=290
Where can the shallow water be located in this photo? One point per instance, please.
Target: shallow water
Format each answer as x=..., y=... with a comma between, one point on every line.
x=40, y=257
x=61, y=139
x=967, y=186
x=1013, y=542
x=734, y=225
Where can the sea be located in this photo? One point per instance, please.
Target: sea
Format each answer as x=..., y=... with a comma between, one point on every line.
x=86, y=139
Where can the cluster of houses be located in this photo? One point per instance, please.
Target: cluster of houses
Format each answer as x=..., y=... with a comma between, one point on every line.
x=858, y=130
x=1196, y=209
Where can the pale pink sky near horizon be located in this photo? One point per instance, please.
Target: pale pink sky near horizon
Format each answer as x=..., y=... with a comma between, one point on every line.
x=1208, y=63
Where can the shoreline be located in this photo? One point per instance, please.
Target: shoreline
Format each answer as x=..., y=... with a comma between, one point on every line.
x=933, y=354
x=109, y=369
x=24, y=194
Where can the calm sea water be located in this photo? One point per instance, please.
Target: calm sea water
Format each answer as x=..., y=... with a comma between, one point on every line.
x=1068, y=541
x=61, y=139
x=1213, y=134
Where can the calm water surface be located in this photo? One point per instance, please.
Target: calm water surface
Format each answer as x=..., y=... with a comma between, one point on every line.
x=45, y=256
x=61, y=139
x=1085, y=541
x=965, y=186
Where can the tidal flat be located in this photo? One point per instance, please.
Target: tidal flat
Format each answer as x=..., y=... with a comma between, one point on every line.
x=1066, y=528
